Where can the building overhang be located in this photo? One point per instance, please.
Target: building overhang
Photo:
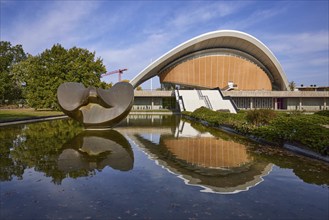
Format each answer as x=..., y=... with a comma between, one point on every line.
x=231, y=39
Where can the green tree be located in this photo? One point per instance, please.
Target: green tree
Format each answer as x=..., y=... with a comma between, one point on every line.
x=44, y=73
x=292, y=85
x=10, y=88
x=105, y=85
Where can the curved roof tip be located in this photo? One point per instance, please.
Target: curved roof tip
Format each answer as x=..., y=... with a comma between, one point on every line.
x=239, y=40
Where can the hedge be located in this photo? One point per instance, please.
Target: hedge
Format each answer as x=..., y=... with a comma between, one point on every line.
x=309, y=131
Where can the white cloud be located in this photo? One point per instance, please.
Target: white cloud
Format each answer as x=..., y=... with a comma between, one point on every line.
x=160, y=39
x=298, y=43
x=304, y=56
x=301, y=44
x=135, y=57
x=197, y=14
x=251, y=19
x=320, y=61
x=59, y=23
x=164, y=35
x=131, y=35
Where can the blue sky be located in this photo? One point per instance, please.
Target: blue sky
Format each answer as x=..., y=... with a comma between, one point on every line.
x=132, y=34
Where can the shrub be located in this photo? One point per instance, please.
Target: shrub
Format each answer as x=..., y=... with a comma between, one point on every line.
x=303, y=129
x=259, y=117
x=307, y=130
x=323, y=113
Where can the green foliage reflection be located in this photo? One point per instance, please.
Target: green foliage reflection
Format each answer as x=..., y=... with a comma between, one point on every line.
x=61, y=149
x=34, y=145
x=8, y=166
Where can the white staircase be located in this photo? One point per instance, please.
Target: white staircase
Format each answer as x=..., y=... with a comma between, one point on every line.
x=190, y=100
x=218, y=101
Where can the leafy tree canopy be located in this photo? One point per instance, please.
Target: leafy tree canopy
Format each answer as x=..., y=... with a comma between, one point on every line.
x=9, y=55
x=44, y=73
x=292, y=85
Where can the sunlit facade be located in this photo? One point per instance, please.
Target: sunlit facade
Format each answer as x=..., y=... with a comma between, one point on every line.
x=216, y=68
x=240, y=65
x=217, y=59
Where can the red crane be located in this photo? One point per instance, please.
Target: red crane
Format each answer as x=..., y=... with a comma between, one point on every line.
x=119, y=71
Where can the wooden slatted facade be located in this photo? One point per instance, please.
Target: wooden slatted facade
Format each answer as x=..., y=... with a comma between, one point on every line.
x=216, y=71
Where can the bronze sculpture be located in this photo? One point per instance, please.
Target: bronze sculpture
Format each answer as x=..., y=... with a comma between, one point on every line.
x=96, y=108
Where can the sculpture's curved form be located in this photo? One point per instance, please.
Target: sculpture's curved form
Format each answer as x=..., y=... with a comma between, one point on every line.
x=234, y=44
x=91, y=150
x=96, y=107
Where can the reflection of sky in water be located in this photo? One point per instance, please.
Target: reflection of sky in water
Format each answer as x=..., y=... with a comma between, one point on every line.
x=154, y=138
x=185, y=129
x=159, y=183
x=199, y=158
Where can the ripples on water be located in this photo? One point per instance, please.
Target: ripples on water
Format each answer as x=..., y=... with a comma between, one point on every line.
x=153, y=167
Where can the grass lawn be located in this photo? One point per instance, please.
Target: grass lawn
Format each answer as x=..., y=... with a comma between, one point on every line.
x=13, y=114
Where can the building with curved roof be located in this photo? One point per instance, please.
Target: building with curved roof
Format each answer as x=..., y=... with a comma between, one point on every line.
x=240, y=65
x=218, y=59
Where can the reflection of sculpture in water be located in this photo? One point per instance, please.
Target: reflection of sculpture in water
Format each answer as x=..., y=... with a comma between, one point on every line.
x=96, y=107
x=95, y=150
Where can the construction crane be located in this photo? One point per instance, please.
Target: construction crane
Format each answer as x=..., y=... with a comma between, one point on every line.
x=119, y=71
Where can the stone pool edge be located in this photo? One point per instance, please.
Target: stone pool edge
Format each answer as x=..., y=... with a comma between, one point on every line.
x=32, y=120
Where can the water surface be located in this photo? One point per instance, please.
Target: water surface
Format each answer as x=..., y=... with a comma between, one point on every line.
x=153, y=167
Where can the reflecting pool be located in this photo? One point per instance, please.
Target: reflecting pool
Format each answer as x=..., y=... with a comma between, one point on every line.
x=153, y=167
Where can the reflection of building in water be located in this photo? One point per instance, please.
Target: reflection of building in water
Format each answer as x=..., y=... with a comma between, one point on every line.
x=202, y=149
x=92, y=150
x=225, y=180
x=216, y=165
x=208, y=152
x=152, y=121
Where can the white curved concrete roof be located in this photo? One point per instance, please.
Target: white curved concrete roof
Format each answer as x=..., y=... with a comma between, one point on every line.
x=230, y=39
